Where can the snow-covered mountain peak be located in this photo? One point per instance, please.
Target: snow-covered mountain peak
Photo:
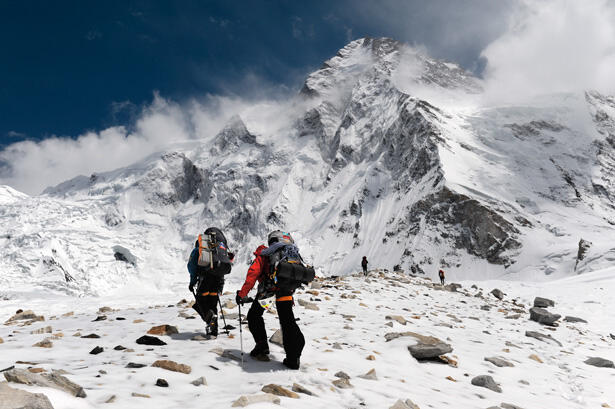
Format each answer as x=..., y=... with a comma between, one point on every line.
x=10, y=195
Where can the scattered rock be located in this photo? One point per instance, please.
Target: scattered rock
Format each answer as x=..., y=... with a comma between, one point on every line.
x=428, y=348
x=162, y=383
x=499, y=362
x=229, y=305
x=542, y=337
x=140, y=395
x=163, y=330
x=119, y=348
x=149, y=340
x=600, y=362
x=43, y=330
x=342, y=375
x=100, y=318
x=536, y=358
x=408, y=404
x=97, y=350
x=111, y=399
x=497, y=294
x=25, y=315
x=225, y=353
x=371, y=358
x=397, y=318
x=300, y=389
x=199, y=381
x=277, y=339
x=133, y=365
x=279, y=391
x=308, y=305
x=249, y=400
x=574, y=319
x=51, y=380
x=584, y=247
x=11, y=398
x=172, y=366
x=1, y=340
x=543, y=302
x=452, y=287
x=371, y=375
x=342, y=383
x=90, y=336
x=486, y=381
x=509, y=406
x=138, y=321
x=336, y=345
x=543, y=316
x=46, y=343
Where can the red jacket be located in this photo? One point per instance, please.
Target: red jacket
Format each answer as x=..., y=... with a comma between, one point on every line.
x=259, y=266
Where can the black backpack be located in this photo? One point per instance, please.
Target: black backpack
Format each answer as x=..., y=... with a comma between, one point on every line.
x=287, y=271
x=213, y=253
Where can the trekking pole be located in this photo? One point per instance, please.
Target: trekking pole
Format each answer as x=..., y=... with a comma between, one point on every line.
x=246, y=299
x=226, y=328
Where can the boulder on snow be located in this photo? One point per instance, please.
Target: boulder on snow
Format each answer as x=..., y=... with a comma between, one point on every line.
x=452, y=287
x=11, y=398
x=172, y=366
x=397, y=318
x=543, y=316
x=427, y=347
x=149, y=340
x=276, y=338
x=342, y=383
x=542, y=337
x=300, y=389
x=584, y=247
x=371, y=375
x=486, y=381
x=50, y=380
x=499, y=362
x=408, y=404
x=278, y=390
x=497, y=293
x=308, y=305
x=574, y=319
x=600, y=362
x=244, y=401
x=199, y=381
x=163, y=330
x=543, y=302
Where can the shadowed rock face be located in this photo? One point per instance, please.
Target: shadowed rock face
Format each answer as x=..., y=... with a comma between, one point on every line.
x=471, y=225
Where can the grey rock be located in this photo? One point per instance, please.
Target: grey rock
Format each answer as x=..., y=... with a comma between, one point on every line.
x=542, y=337
x=51, y=380
x=543, y=302
x=300, y=389
x=543, y=316
x=149, y=340
x=11, y=398
x=509, y=406
x=97, y=350
x=584, y=247
x=452, y=287
x=342, y=375
x=342, y=383
x=428, y=348
x=277, y=339
x=134, y=365
x=199, y=381
x=408, y=404
x=574, y=319
x=486, y=381
x=162, y=383
x=499, y=362
x=371, y=375
x=600, y=362
x=497, y=293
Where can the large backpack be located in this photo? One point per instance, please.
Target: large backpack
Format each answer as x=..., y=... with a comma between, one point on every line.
x=287, y=270
x=213, y=253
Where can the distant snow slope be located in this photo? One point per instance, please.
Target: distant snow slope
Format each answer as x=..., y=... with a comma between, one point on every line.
x=385, y=152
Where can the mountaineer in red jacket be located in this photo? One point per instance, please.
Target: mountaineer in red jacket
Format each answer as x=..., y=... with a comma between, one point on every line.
x=291, y=334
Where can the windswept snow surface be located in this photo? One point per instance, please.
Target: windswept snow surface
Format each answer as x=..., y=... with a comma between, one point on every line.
x=352, y=313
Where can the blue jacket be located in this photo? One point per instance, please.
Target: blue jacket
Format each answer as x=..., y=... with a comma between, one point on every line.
x=192, y=265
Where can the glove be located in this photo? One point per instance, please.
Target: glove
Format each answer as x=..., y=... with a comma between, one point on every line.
x=231, y=256
x=238, y=299
x=191, y=288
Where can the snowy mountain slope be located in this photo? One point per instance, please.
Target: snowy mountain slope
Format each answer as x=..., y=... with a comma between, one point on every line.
x=352, y=338
x=384, y=152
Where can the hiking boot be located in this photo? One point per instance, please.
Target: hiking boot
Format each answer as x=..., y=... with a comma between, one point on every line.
x=291, y=363
x=261, y=357
x=261, y=348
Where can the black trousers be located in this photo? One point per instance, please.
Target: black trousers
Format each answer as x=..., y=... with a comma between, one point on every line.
x=365, y=269
x=442, y=280
x=291, y=334
x=207, y=295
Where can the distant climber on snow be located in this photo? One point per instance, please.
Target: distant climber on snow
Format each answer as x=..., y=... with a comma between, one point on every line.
x=209, y=262
x=364, y=264
x=280, y=270
x=441, y=275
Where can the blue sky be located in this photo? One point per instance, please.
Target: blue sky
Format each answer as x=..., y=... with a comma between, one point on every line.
x=72, y=66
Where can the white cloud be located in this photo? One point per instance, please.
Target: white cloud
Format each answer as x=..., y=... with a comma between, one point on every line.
x=31, y=166
x=553, y=46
